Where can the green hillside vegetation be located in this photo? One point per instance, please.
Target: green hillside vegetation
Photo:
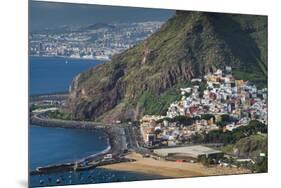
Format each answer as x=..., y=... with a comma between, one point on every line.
x=251, y=146
x=232, y=137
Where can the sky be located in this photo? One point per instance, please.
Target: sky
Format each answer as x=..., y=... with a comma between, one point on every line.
x=44, y=15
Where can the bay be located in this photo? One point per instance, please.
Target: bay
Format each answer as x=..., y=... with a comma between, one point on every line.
x=57, y=145
x=50, y=146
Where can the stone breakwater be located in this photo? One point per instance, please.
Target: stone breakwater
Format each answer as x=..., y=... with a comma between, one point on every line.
x=42, y=120
x=51, y=96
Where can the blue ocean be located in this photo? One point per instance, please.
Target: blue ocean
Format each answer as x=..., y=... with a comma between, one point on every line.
x=57, y=145
x=53, y=74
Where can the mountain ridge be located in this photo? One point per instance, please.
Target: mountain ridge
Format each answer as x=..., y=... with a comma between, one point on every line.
x=144, y=78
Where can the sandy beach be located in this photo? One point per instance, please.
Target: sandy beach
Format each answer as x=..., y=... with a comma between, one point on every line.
x=171, y=169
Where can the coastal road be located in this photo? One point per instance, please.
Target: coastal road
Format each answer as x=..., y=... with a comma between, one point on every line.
x=132, y=136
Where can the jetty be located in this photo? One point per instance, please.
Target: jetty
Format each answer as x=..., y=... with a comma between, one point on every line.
x=42, y=120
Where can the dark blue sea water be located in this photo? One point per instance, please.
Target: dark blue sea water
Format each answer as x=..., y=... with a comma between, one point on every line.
x=53, y=74
x=56, y=145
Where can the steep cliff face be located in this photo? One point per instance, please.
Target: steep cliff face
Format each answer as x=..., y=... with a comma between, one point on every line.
x=143, y=79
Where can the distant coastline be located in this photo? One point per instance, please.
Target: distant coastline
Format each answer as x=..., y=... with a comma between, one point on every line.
x=52, y=95
x=72, y=58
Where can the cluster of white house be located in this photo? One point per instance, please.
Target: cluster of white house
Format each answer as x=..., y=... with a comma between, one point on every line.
x=217, y=94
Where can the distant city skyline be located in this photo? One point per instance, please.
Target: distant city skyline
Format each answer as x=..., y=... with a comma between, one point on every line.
x=44, y=15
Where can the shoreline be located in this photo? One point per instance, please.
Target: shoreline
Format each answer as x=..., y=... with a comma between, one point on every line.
x=71, y=58
x=64, y=93
x=86, y=158
x=171, y=169
x=58, y=96
x=68, y=166
x=93, y=160
x=113, y=132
